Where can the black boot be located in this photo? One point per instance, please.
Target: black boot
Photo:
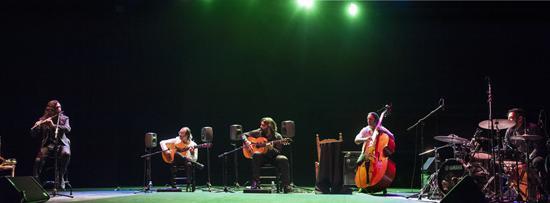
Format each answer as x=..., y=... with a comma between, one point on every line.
x=287, y=189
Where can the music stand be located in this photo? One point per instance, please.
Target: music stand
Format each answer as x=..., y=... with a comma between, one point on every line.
x=207, y=135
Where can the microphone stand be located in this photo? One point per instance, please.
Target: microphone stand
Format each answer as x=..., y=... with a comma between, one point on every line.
x=147, y=180
x=497, y=183
x=421, y=123
x=209, y=183
x=236, y=166
x=56, y=157
x=224, y=156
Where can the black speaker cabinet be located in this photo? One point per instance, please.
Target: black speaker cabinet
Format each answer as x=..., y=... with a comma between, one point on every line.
x=21, y=189
x=465, y=191
x=350, y=163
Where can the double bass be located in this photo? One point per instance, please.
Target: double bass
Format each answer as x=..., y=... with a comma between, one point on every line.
x=376, y=172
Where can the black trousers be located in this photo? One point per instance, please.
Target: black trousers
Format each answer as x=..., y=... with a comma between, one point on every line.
x=63, y=158
x=279, y=161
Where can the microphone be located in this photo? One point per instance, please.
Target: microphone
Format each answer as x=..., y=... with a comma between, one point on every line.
x=442, y=103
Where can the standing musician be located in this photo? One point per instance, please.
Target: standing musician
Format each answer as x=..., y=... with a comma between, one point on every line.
x=268, y=130
x=45, y=128
x=537, y=150
x=190, y=156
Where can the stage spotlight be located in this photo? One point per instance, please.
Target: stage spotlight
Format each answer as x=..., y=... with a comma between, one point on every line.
x=307, y=4
x=353, y=9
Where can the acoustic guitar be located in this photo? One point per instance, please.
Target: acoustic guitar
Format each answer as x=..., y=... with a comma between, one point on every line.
x=180, y=149
x=261, y=145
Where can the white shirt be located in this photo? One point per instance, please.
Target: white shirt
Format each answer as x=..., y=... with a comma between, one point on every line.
x=366, y=132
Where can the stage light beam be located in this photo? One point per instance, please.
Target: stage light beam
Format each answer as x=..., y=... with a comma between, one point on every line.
x=307, y=4
x=353, y=9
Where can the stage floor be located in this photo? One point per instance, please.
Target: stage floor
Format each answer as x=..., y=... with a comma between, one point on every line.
x=301, y=194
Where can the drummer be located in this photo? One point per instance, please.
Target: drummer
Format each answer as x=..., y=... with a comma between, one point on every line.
x=514, y=141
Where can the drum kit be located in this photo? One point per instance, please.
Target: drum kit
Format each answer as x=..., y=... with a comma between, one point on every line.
x=498, y=170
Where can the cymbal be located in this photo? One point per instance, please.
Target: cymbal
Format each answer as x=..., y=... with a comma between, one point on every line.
x=482, y=138
x=526, y=137
x=434, y=149
x=497, y=124
x=452, y=138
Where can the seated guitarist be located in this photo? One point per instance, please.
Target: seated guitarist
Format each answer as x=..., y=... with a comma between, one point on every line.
x=268, y=130
x=365, y=135
x=184, y=139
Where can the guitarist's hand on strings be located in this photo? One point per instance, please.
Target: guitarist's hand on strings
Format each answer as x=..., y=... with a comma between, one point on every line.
x=249, y=145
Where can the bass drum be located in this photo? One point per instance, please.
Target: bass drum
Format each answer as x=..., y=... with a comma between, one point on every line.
x=450, y=173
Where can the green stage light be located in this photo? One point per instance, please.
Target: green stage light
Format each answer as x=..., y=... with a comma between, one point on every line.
x=307, y=4
x=353, y=9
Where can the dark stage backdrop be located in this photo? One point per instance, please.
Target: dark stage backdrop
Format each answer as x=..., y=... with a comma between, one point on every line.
x=124, y=68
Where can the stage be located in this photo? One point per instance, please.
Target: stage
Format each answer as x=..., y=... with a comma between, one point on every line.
x=301, y=194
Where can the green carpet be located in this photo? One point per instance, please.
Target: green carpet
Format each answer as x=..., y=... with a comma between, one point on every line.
x=305, y=195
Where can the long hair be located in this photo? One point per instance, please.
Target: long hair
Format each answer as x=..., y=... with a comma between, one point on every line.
x=271, y=123
x=52, y=104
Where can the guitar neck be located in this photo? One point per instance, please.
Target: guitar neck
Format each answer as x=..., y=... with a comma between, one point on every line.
x=196, y=147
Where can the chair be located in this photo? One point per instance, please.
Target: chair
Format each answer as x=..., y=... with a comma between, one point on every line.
x=49, y=171
x=181, y=175
x=270, y=175
x=319, y=143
